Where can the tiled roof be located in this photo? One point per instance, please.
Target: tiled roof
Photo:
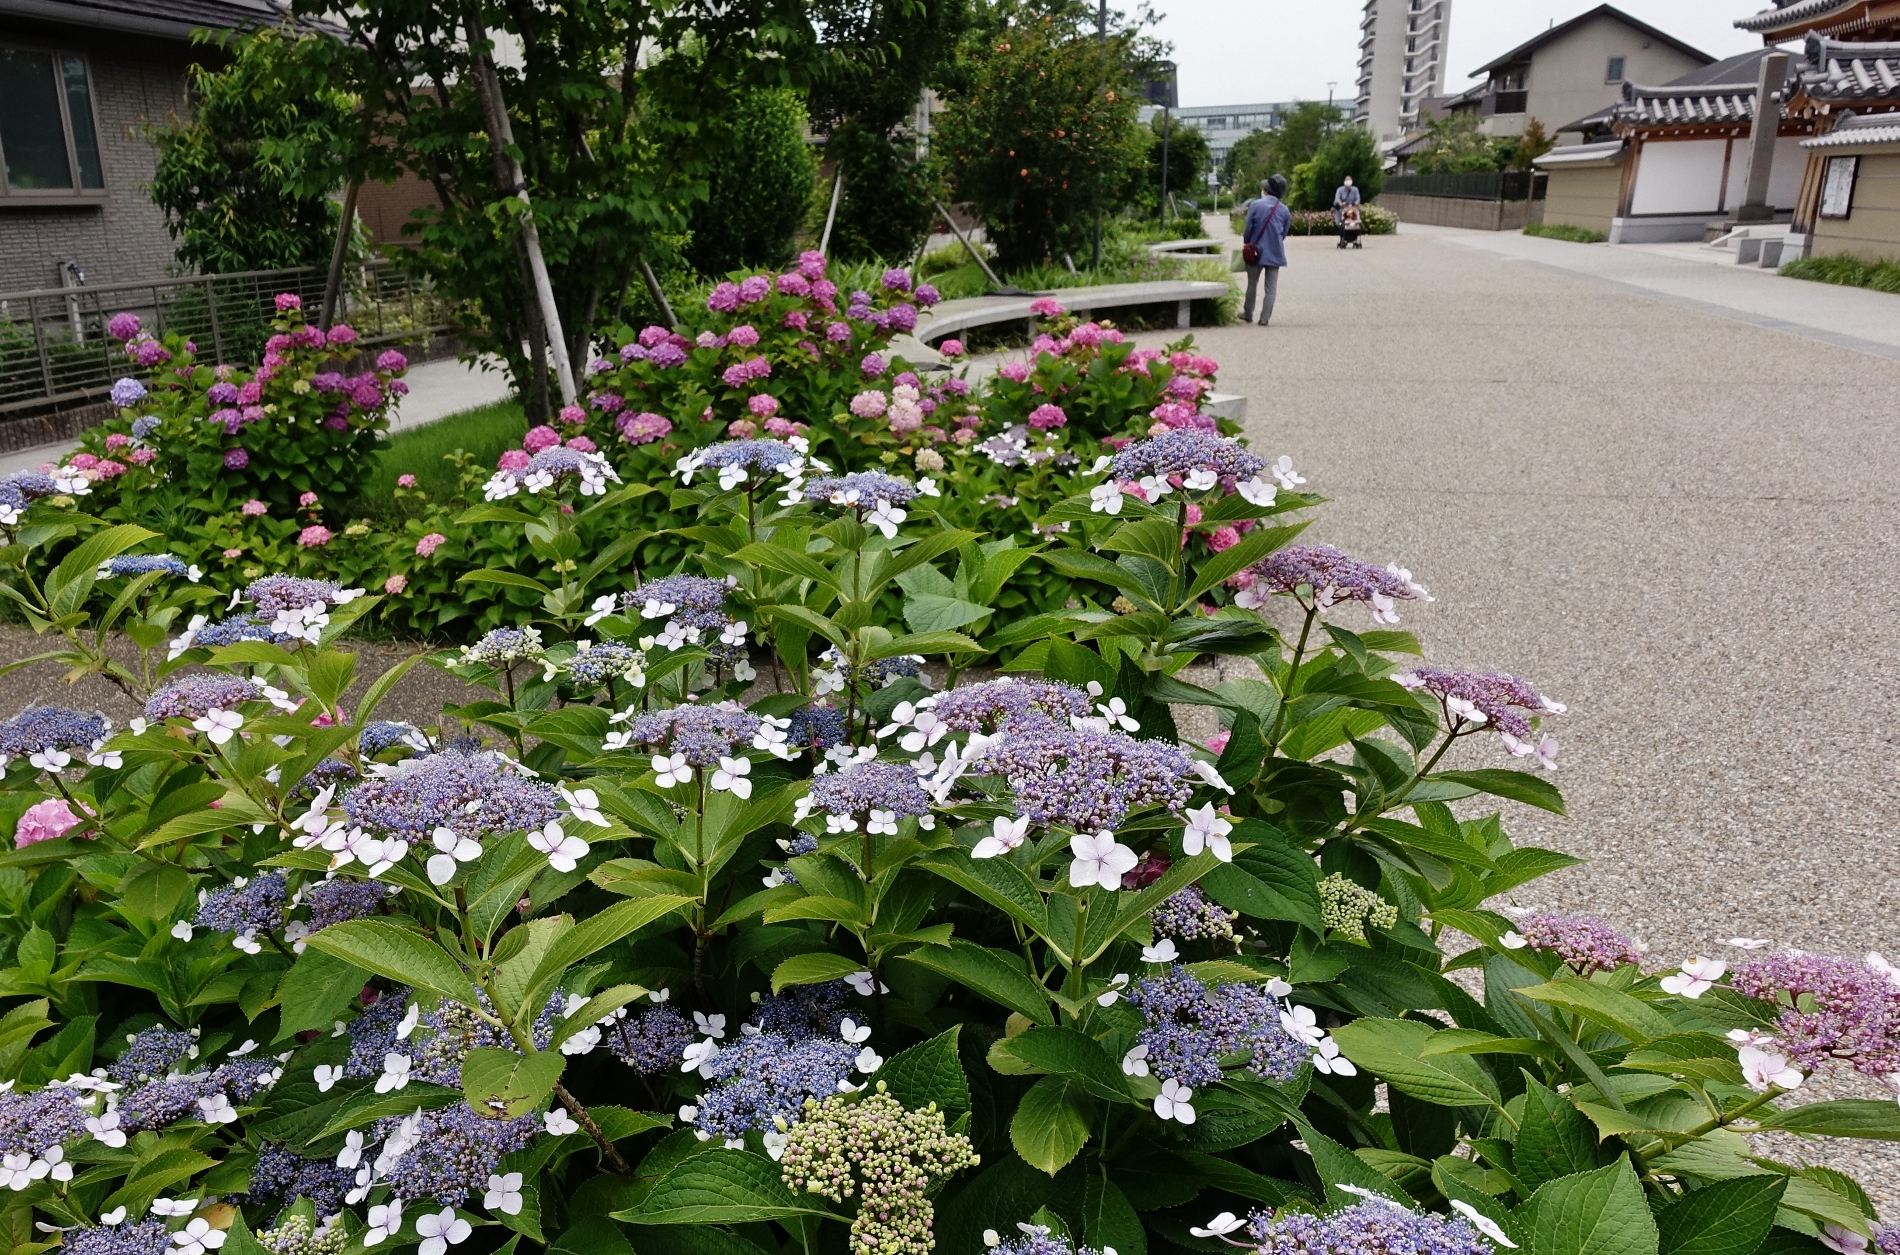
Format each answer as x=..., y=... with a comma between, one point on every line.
x=1607, y=153
x=1833, y=69
x=1709, y=104
x=173, y=18
x=1876, y=128
x=1786, y=11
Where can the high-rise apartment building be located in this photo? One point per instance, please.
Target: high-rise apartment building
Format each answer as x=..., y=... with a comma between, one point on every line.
x=1402, y=47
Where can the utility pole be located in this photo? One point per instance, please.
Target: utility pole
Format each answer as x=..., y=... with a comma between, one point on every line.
x=1101, y=37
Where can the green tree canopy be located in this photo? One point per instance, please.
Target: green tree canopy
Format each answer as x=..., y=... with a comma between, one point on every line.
x=1350, y=150
x=1457, y=145
x=1188, y=161
x=247, y=182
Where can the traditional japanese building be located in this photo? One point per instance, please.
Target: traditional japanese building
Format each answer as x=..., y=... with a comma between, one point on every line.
x=1849, y=200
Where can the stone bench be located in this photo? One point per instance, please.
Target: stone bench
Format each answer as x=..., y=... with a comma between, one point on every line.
x=950, y=317
x=1209, y=247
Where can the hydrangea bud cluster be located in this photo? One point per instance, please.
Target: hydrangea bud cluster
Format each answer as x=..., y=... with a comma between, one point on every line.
x=385, y=734
x=334, y=901
x=190, y=696
x=474, y=794
x=1370, y=1228
x=1829, y=1008
x=819, y=726
x=1585, y=943
x=861, y=490
x=1346, y=908
x=804, y=1010
x=1184, y=452
x=33, y=1123
x=1190, y=916
x=744, y=462
x=595, y=663
x=447, y=1031
x=275, y=594
x=162, y=1103
x=1331, y=577
x=1037, y=1240
x=146, y=564
x=989, y=706
x=20, y=490
x=766, y=1077
x=651, y=1041
x=1188, y=1028
x=889, y=1157
x=1090, y=780
x=372, y=1033
x=294, y=1235
x=692, y=602
x=242, y=627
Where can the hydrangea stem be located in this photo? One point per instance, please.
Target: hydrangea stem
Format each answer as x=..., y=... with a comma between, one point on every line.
x=586, y=1121
x=1292, y=678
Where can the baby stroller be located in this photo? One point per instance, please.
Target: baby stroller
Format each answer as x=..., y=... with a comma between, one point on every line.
x=1349, y=228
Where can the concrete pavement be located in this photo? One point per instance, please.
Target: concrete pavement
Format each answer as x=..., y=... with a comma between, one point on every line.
x=1664, y=493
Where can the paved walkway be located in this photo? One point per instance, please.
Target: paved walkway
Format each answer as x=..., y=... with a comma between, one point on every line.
x=1622, y=480
x=436, y=390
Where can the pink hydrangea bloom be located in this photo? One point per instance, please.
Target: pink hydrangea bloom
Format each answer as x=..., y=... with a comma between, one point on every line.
x=429, y=544
x=123, y=327
x=951, y=348
x=514, y=460
x=255, y=507
x=341, y=334
x=1218, y=742
x=109, y=469
x=745, y=335
x=307, y=499
x=84, y=461
x=869, y=404
x=1047, y=417
x=643, y=428
x=782, y=428
x=797, y=319
x=395, y=584
x=143, y=457
x=287, y=301
x=118, y=440
x=233, y=553
x=316, y=536
x=742, y=429
x=539, y=438
x=405, y=481
x=581, y=444
x=1046, y=307
x=573, y=414
x=44, y=821
x=1015, y=372
x=764, y=405
x=1222, y=538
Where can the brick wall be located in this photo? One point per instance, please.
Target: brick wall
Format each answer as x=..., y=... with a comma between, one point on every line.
x=135, y=84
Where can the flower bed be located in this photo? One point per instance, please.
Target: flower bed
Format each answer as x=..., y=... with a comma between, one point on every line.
x=715, y=924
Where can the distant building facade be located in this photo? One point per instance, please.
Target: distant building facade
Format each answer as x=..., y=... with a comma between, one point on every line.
x=1226, y=125
x=1402, y=45
x=83, y=80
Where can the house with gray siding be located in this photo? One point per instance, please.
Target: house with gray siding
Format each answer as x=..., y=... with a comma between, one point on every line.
x=81, y=84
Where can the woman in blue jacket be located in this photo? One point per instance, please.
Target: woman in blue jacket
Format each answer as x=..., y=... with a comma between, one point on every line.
x=1263, y=243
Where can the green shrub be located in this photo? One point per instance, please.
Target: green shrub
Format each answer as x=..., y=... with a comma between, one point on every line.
x=759, y=187
x=1847, y=270
x=1564, y=231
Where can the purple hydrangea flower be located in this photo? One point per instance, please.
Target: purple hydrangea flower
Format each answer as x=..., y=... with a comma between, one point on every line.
x=766, y=456
x=123, y=326
x=651, y=1041
x=817, y=727
x=1089, y=780
x=49, y=727
x=896, y=280
x=31, y=1123
x=145, y=564
x=988, y=706
x=1483, y=698
x=475, y=794
x=165, y=1102
x=754, y=289
x=872, y=786
x=457, y=1153
x=1333, y=577
x=1830, y=1008
x=276, y=593
x=150, y=1054
x=599, y=662
x=927, y=295
x=333, y=901
x=1586, y=943
x=1190, y=916
x=190, y=696
x=765, y=1077
x=281, y=1173
x=256, y=906
x=143, y=427
x=373, y=1034
x=698, y=603
x=861, y=489
x=1189, y=1028
x=1369, y=1228
x=127, y=393
x=244, y=627
x=667, y=355
x=1185, y=451
x=236, y=459
x=873, y=365
x=705, y=734
x=901, y=318
x=804, y=1011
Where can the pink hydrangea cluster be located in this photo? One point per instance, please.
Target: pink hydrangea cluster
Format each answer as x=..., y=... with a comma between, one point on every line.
x=1047, y=417
x=742, y=373
x=316, y=536
x=641, y=428
x=763, y=405
x=870, y=404
x=514, y=460
x=427, y=546
x=45, y=821
x=539, y=438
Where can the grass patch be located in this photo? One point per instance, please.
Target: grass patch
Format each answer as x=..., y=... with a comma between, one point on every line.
x=1848, y=271
x=1563, y=231
x=419, y=451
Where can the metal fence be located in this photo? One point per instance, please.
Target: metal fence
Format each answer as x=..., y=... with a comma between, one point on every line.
x=54, y=349
x=1471, y=185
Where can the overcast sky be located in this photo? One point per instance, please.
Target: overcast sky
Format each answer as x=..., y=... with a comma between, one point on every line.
x=1241, y=51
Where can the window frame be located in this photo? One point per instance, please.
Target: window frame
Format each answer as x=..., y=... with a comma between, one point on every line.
x=1616, y=70
x=10, y=195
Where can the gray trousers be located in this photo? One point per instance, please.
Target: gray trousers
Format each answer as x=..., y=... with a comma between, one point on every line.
x=1273, y=289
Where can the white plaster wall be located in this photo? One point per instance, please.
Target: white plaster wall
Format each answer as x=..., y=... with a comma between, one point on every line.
x=1683, y=177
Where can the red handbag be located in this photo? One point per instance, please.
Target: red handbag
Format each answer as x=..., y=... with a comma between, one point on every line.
x=1250, y=253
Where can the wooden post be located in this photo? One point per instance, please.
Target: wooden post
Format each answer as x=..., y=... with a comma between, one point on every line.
x=501, y=136
x=831, y=215
x=333, y=284
x=658, y=293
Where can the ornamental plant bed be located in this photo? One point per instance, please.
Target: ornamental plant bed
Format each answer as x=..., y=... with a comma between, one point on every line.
x=712, y=927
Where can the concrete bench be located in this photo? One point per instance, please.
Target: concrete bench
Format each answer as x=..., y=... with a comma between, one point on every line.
x=951, y=317
x=1210, y=247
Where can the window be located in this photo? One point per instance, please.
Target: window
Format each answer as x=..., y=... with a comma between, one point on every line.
x=1837, y=189
x=49, y=139
x=1614, y=74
